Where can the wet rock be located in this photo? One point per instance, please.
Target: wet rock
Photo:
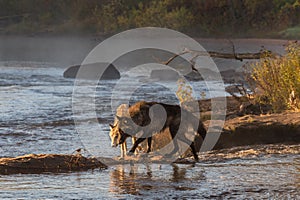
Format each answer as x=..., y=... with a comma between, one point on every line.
x=93, y=71
x=194, y=76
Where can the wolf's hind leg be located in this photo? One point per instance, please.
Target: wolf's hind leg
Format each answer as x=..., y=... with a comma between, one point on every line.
x=201, y=130
x=173, y=130
x=194, y=151
x=175, y=149
x=191, y=143
x=149, y=144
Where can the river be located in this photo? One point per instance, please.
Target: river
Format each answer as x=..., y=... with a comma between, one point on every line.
x=37, y=117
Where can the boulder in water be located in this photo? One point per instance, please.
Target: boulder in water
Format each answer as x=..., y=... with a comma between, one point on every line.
x=93, y=71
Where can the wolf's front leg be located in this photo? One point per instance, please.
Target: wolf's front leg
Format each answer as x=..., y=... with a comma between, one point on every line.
x=133, y=140
x=149, y=144
x=135, y=145
x=123, y=149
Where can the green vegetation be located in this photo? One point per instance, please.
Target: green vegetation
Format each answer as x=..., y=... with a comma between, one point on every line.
x=198, y=17
x=278, y=80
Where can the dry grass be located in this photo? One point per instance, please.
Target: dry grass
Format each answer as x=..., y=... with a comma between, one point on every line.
x=277, y=80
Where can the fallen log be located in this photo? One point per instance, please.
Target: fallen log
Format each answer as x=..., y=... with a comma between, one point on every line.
x=40, y=163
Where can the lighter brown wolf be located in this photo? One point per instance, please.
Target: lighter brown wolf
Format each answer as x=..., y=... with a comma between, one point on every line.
x=115, y=134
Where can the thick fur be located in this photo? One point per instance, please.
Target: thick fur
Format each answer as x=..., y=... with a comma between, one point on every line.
x=140, y=115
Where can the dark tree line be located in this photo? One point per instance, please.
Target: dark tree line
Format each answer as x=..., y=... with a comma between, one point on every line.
x=202, y=17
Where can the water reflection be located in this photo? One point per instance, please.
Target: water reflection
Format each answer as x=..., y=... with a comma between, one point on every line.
x=178, y=174
x=136, y=179
x=123, y=182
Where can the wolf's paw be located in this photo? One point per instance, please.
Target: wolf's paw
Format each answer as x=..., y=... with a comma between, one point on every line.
x=144, y=155
x=130, y=153
x=169, y=155
x=121, y=158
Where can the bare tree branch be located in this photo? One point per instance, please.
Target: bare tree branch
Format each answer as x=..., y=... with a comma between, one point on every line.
x=172, y=58
x=236, y=56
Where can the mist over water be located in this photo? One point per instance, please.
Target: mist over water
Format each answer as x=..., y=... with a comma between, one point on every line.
x=64, y=51
x=71, y=50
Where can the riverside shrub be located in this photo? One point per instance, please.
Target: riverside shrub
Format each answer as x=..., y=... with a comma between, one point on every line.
x=278, y=79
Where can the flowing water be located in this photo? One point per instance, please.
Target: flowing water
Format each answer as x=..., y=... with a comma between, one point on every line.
x=37, y=117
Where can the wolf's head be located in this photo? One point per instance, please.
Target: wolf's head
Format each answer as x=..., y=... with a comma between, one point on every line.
x=114, y=135
x=117, y=136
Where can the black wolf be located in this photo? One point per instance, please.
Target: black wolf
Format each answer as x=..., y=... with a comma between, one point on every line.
x=141, y=116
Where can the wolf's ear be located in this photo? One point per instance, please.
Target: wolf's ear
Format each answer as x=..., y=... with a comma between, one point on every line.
x=147, y=106
x=119, y=118
x=111, y=126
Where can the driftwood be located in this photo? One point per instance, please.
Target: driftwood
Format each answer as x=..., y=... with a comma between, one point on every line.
x=237, y=56
x=40, y=163
x=263, y=53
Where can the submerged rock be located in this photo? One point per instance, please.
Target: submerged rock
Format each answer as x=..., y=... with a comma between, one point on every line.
x=93, y=71
x=40, y=163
